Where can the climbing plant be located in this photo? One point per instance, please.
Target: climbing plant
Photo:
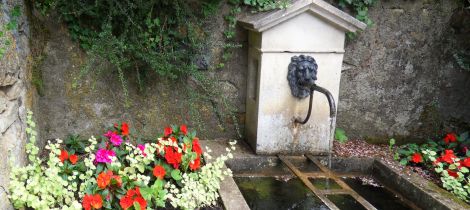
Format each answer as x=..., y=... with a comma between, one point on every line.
x=6, y=29
x=360, y=7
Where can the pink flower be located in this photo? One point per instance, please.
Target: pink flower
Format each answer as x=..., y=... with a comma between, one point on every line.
x=142, y=149
x=104, y=156
x=115, y=139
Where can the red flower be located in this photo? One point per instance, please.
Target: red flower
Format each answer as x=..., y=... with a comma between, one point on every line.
x=417, y=158
x=184, y=129
x=172, y=157
x=104, y=179
x=73, y=159
x=195, y=164
x=167, y=131
x=173, y=139
x=64, y=155
x=92, y=201
x=124, y=129
x=159, y=172
x=196, y=146
x=133, y=196
x=466, y=162
x=450, y=137
x=448, y=157
x=452, y=173
x=126, y=202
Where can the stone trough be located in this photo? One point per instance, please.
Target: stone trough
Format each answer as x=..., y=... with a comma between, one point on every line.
x=410, y=191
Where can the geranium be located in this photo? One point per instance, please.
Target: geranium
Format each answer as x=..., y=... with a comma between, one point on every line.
x=133, y=195
x=73, y=159
x=168, y=131
x=159, y=172
x=64, y=155
x=172, y=157
x=184, y=129
x=92, y=202
x=417, y=158
x=115, y=139
x=124, y=129
x=448, y=156
x=195, y=164
x=104, y=156
x=450, y=137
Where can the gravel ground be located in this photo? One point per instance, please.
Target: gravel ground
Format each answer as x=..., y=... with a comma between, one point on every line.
x=360, y=148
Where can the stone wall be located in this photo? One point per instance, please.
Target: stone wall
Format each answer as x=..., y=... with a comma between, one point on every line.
x=399, y=77
x=13, y=96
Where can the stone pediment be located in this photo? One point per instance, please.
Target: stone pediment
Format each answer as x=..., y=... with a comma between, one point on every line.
x=263, y=21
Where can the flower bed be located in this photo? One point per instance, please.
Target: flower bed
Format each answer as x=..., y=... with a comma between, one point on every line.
x=113, y=172
x=448, y=158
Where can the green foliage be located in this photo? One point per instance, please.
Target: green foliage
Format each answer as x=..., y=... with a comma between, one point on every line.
x=75, y=144
x=264, y=5
x=360, y=7
x=391, y=143
x=449, y=158
x=340, y=135
x=5, y=30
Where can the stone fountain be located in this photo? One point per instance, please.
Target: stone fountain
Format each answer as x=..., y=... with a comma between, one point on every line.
x=305, y=39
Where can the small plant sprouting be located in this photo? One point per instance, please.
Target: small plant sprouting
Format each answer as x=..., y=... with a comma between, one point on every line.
x=340, y=136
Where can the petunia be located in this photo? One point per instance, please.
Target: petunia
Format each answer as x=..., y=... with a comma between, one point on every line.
x=184, y=129
x=168, y=131
x=417, y=158
x=125, y=129
x=73, y=159
x=64, y=155
x=159, y=172
x=450, y=137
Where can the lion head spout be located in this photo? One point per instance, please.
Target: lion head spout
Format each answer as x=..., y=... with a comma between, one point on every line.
x=302, y=75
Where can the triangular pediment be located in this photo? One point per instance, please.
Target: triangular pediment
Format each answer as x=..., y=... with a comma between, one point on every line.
x=263, y=21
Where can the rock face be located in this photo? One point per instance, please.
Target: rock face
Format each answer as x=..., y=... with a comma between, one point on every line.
x=399, y=76
x=13, y=89
x=89, y=105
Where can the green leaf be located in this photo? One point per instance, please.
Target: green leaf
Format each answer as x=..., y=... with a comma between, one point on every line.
x=136, y=205
x=99, y=168
x=452, y=166
x=340, y=135
x=141, y=168
x=403, y=162
x=176, y=175
x=146, y=193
